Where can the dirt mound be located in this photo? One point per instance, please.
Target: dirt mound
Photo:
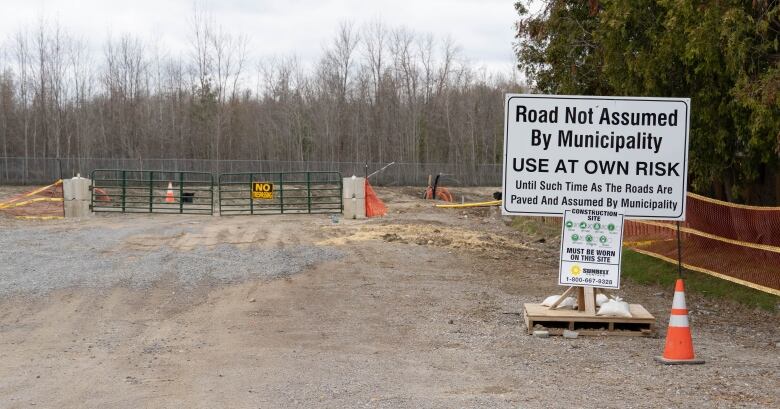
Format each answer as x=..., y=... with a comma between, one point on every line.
x=433, y=235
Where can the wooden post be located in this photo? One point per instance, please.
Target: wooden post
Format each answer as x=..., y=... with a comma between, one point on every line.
x=581, y=298
x=586, y=299
x=590, y=300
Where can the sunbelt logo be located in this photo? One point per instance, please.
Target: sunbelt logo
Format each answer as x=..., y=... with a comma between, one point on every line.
x=575, y=270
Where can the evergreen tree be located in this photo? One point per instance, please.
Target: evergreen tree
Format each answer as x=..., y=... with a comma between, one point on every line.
x=724, y=55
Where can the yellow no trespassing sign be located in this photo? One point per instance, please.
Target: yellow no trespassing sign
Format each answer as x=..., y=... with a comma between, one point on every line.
x=262, y=190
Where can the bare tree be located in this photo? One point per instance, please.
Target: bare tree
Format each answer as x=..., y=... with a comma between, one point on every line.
x=376, y=94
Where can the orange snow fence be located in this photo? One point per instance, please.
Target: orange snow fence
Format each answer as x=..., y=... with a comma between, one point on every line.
x=374, y=206
x=734, y=242
x=442, y=193
x=41, y=203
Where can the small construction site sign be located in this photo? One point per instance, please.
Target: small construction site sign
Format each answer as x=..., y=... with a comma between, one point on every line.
x=625, y=154
x=591, y=246
x=262, y=190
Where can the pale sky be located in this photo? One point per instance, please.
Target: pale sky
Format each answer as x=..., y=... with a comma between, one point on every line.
x=482, y=28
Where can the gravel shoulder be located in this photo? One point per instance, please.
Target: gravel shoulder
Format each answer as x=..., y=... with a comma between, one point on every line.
x=418, y=309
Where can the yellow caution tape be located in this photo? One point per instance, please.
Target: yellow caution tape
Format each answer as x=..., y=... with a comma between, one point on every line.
x=39, y=217
x=478, y=204
x=643, y=242
x=34, y=192
x=727, y=204
x=693, y=195
x=36, y=200
x=765, y=247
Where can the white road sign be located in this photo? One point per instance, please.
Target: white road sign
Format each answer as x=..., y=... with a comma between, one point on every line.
x=591, y=246
x=628, y=155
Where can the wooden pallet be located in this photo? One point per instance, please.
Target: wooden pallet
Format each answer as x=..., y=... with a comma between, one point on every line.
x=641, y=324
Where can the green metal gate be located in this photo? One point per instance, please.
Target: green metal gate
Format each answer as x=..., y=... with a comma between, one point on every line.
x=135, y=191
x=280, y=192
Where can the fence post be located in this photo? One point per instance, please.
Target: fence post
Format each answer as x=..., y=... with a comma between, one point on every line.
x=281, y=192
x=308, y=190
x=251, y=199
x=181, y=192
x=124, y=189
x=151, y=190
x=679, y=253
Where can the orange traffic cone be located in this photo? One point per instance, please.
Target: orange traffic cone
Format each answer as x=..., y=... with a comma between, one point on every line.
x=679, y=345
x=169, y=194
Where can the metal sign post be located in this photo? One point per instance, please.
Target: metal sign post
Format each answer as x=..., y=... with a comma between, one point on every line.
x=679, y=253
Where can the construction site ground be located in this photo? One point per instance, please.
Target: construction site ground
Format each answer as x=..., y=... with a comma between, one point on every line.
x=421, y=308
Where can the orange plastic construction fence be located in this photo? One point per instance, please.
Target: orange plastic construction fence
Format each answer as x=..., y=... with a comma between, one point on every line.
x=374, y=206
x=40, y=203
x=442, y=193
x=734, y=242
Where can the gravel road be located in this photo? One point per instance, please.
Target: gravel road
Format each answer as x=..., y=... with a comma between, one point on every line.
x=39, y=260
x=421, y=309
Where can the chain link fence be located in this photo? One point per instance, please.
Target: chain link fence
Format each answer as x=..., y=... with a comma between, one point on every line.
x=26, y=171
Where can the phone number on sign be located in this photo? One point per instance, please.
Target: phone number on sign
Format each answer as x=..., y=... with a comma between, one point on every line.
x=586, y=280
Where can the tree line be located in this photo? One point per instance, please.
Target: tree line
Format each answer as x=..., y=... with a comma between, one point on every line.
x=376, y=94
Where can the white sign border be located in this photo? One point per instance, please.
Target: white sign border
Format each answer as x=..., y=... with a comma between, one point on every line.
x=620, y=255
x=509, y=97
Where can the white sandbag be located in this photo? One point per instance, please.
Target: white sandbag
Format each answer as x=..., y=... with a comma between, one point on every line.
x=615, y=308
x=567, y=302
x=601, y=299
x=550, y=300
